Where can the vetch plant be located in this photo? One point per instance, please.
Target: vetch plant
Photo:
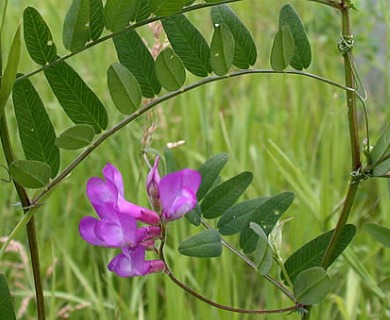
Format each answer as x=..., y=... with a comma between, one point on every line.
x=137, y=82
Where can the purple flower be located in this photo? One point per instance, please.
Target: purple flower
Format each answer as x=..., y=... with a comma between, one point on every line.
x=117, y=226
x=152, y=182
x=131, y=262
x=178, y=193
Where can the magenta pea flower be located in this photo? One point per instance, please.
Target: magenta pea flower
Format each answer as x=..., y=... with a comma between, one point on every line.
x=175, y=192
x=117, y=226
x=131, y=262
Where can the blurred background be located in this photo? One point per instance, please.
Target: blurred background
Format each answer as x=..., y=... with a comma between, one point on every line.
x=290, y=131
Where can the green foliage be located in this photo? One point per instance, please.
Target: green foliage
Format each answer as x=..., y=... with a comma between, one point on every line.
x=30, y=173
x=222, y=197
x=302, y=51
x=311, y=254
x=118, y=14
x=381, y=148
x=379, y=233
x=166, y=7
x=76, y=31
x=263, y=253
x=312, y=285
x=78, y=101
x=76, y=137
x=221, y=50
x=38, y=38
x=234, y=218
x=96, y=23
x=124, y=88
x=205, y=244
x=135, y=56
x=6, y=308
x=35, y=128
x=10, y=71
x=189, y=44
x=210, y=171
x=266, y=215
x=170, y=70
x=245, y=53
x=282, y=49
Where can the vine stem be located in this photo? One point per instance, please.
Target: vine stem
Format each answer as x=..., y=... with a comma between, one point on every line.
x=354, y=141
x=150, y=105
x=30, y=226
x=197, y=295
x=249, y=262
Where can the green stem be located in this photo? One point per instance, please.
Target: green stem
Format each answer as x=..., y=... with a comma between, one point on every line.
x=203, y=298
x=330, y=3
x=354, y=141
x=150, y=105
x=31, y=229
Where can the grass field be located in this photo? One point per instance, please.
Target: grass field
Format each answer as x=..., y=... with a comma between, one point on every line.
x=291, y=132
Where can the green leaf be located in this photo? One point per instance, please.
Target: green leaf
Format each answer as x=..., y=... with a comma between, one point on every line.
x=6, y=308
x=210, y=171
x=35, y=128
x=38, y=38
x=381, y=148
x=263, y=252
x=245, y=54
x=385, y=284
x=312, y=285
x=170, y=70
x=203, y=245
x=170, y=163
x=124, y=88
x=221, y=49
x=135, y=56
x=143, y=11
x=76, y=137
x=76, y=31
x=234, y=218
x=379, y=233
x=9, y=75
x=78, y=101
x=266, y=215
x=118, y=13
x=302, y=52
x=222, y=197
x=311, y=254
x=165, y=8
x=30, y=173
x=194, y=216
x=189, y=44
x=282, y=49
x=96, y=23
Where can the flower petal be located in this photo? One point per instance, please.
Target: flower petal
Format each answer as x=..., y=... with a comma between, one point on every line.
x=178, y=193
x=103, y=195
x=142, y=214
x=131, y=262
x=110, y=233
x=152, y=180
x=87, y=231
x=112, y=174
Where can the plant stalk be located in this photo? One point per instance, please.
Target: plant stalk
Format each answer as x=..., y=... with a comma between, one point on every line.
x=31, y=229
x=354, y=141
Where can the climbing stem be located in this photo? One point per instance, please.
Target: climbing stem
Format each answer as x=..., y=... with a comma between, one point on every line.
x=31, y=230
x=346, y=46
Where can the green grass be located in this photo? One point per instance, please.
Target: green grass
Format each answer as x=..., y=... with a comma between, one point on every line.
x=291, y=132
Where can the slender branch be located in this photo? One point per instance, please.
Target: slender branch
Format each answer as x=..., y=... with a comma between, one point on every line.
x=111, y=35
x=243, y=257
x=31, y=229
x=224, y=307
x=203, y=298
x=330, y=3
x=159, y=100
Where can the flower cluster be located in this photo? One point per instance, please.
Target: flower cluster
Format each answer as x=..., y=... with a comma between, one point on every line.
x=117, y=226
